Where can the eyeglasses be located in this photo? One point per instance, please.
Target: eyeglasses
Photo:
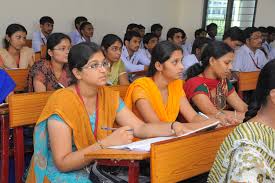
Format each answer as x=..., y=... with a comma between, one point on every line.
x=95, y=66
x=63, y=49
x=115, y=49
x=257, y=37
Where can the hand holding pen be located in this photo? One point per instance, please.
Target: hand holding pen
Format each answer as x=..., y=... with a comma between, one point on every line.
x=120, y=136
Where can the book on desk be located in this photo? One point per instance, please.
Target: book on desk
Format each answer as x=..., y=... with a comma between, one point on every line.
x=145, y=145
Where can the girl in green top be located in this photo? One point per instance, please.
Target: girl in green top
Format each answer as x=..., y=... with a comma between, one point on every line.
x=112, y=45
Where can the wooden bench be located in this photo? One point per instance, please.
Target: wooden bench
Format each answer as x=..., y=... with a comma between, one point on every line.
x=28, y=43
x=19, y=76
x=247, y=81
x=37, y=56
x=179, y=159
x=24, y=109
x=43, y=51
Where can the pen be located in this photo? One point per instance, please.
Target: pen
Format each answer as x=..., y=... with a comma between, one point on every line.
x=203, y=115
x=106, y=128
x=61, y=85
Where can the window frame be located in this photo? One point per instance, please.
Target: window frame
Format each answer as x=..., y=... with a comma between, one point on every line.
x=229, y=11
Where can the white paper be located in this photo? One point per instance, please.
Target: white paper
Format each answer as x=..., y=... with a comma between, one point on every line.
x=145, y=145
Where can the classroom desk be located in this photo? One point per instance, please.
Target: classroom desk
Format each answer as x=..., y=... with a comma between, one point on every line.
x=4, y=123
x=179, y=158
x=114, y=157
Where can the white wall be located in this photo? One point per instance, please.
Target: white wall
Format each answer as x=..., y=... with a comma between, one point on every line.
x=112, y=16
x=265, y=13
x=190, y=16
x=107, y=16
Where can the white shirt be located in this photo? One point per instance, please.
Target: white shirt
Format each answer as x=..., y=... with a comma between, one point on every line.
x=272, y=54
x=188, y=61
x=82, y=39
x=188, y=47
x=38, y=39
x=145, y=54
x=185, y=50
x=136, y=62
x=246, y=61
x=75, y=36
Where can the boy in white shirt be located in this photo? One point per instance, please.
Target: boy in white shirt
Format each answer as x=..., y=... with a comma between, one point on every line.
x=233, y=37
x=249, y=57
x=178, y=37
x=150, y=40
x=198, y=46
x=132, y=59
x=39, y=38
x=75, y=35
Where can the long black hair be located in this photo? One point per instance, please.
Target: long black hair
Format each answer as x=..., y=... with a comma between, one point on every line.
x=264, y=86
x=161, y=53
x=215, y=49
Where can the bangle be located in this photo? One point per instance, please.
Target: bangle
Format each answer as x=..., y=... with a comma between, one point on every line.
x=172, y=127
x=218, y=113
x=100, y=145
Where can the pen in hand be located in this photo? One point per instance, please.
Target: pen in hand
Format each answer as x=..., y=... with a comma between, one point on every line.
x=113, y=129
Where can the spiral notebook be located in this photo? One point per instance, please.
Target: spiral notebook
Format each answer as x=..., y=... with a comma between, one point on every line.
x=145, y=145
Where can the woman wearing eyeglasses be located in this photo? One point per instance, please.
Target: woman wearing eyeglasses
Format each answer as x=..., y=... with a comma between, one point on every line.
x=16, y=54
x=52, y=73
x=74, y=121
x=111, y=45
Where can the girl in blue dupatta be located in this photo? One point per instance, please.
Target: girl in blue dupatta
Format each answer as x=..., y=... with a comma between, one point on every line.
x=7, y=85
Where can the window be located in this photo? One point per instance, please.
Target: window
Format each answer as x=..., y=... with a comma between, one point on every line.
x=229, y=13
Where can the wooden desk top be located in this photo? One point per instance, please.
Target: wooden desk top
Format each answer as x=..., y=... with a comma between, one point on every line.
x=119, y=154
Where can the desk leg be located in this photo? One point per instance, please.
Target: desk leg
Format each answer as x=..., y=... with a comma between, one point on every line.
x=5, y=148
x=133, y=168
x=133, y=172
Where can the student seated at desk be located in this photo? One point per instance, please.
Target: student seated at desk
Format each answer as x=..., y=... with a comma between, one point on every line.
x=150, y=40
x=52, y=73
x=86, y=32
x=73, y=121
x=39, y=38
x=159, y=97
x=16, y=54
x=112, y=45
x=7, y=86
x=75, y=35
x=207, y=86
x=130, y=56
x=248, y=153
x=198, y=45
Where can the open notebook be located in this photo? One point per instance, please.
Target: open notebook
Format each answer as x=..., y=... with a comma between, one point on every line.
x=145, y=145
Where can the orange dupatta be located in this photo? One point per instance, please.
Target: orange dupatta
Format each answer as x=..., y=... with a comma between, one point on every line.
x=145, y=88
x=70, y=108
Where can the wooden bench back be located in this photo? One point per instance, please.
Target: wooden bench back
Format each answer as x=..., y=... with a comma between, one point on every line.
x=121, y=88
x=25, y=108
x=43, y=51
x=37, y=56
x=248, y=80
x=19, y=76
x=29, y=43
x=180, y=159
